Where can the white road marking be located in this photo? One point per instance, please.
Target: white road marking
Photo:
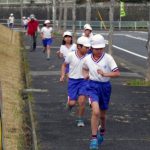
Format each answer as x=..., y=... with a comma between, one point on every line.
x=127, y=51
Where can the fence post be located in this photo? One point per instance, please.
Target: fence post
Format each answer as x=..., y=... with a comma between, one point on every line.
x=135, y=25
x=1, y=123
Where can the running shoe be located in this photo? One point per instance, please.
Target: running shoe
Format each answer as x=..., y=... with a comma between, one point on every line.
x=94, y=144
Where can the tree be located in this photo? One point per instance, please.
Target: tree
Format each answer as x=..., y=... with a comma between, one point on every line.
x=60, y=14
x=74, y=18
x=65, y=14
x=54, y=14
x=88, y=11
x=111, y=19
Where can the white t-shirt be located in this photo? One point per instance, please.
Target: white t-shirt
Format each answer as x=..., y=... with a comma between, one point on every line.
x=106, y=63
x=11, y=19
x=65, y=50
x=75, y=65
x=47, y=32
x=90, y=37
x=25, y=21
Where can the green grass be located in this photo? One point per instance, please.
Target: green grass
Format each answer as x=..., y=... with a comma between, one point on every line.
x=138, y=82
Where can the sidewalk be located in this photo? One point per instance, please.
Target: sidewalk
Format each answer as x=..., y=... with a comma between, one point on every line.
x=128, y=119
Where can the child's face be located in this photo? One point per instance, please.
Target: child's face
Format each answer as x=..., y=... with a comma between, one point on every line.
x=84, y=50
x=87, y=32
x=97, y=51
x=48, y=24
x=68, y=39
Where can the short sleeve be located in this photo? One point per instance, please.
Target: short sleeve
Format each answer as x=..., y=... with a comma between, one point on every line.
x=85, y=66
x=68, y=59
x=112, y=64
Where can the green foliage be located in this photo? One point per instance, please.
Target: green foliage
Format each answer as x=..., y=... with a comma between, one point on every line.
x=138, y=82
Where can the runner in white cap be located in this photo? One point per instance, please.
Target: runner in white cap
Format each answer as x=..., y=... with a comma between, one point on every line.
x=88, y=33
x=46, y=34
x=76, y=82
x=101, y=67
x=66, y=47
x=11, y=20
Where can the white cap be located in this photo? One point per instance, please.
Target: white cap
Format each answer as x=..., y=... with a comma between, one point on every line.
x=98, y=41
x=84, y=41
x=11, y=14
x=32, y=16
x=47, y=21
x=87, y=27
x=67, y=33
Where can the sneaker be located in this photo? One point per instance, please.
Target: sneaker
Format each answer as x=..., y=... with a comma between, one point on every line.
x=100, y=138
x=94, y=144
x=80, y=123
x=100, y=135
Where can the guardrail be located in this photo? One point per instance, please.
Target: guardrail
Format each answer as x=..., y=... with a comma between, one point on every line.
x=119, y=25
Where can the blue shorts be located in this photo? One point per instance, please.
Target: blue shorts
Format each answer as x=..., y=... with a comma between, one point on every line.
x=47, y=42
x=99, y=92
x=76, y=87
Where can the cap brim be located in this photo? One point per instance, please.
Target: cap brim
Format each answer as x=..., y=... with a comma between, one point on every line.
x=87, y=45
x=99, y=46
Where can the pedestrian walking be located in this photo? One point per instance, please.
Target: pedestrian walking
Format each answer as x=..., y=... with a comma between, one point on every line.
x=101, y=67
x=24, y=22
x=66, y=47
x=46, y=34
x=11, y=21
x=76, y=82
x=32, y=31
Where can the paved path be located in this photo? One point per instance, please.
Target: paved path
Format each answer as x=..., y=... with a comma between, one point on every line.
x=128, y=120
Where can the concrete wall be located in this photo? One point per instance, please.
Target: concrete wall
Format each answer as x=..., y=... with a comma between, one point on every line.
x=138, y=12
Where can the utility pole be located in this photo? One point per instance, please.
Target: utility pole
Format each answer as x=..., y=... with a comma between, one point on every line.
x=74, y=19
x=54, y=14
x=147, y=77
x=111, y=30
x=88, y=11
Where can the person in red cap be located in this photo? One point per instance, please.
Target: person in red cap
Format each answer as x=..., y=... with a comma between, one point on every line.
x=33, y=27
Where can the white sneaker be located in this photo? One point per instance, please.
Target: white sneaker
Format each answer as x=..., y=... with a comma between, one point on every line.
x=80, y=123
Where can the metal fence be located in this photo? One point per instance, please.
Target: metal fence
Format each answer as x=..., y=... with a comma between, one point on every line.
x=97, y=25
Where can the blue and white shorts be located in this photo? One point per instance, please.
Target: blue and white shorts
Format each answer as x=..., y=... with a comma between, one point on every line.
x=76, y=88
x=99, y=92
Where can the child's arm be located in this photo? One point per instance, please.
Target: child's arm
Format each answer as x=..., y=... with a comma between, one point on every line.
x=108, y=74
x=85, y=73
x=63, y=69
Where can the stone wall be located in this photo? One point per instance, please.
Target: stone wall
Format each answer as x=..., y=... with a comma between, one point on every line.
x=135, y=12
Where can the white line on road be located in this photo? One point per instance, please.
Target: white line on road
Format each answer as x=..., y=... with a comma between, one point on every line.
x=127, y=51
x=133, y=37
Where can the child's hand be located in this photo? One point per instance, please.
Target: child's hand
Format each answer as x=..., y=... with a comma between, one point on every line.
x=99, y=71
x=62, y=78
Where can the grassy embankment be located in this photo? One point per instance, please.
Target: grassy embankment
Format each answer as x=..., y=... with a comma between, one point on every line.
x=11, y=73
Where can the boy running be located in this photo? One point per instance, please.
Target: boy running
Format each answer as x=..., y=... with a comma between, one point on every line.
x=76, y=82
x=101, y=67
x=46, y=34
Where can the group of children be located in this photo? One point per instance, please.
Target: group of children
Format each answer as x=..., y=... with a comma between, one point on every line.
x=88, y=69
